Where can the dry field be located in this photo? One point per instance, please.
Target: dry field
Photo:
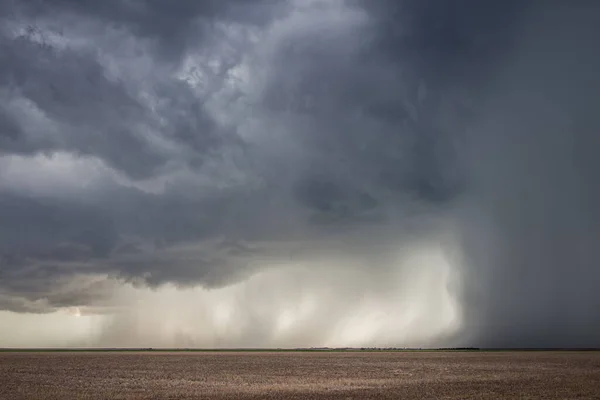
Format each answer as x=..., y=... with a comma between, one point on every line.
x=296, y=375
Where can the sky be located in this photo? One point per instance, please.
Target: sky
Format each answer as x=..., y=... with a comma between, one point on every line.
x=291, y=173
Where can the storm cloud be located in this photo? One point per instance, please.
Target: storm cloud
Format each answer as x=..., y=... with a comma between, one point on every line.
x=327, y=150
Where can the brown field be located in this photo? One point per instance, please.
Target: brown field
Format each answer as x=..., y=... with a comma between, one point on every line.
x=297, y=375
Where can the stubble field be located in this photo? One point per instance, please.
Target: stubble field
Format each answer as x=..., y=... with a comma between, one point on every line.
x=299, y=375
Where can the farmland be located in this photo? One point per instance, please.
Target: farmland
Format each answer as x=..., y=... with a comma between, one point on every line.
x=299, y=375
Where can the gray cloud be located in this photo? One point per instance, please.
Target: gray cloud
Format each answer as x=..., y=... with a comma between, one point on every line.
x=203, y=142
x=531, y=278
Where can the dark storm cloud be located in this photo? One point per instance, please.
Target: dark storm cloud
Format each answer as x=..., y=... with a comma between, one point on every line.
x=60, y=96
x=195, y=142
x=174, y=191
x=172, y=26
x=113, y=119
x=532, y=270
x=527, y=216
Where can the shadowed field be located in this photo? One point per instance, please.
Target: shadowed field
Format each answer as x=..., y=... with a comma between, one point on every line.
x=296, y=375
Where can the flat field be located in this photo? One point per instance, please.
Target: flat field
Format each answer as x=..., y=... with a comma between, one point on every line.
x=299, y=375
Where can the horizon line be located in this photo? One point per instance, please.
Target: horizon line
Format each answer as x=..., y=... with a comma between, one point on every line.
x=288, y=349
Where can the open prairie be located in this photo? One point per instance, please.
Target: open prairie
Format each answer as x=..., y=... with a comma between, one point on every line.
x=296, y=375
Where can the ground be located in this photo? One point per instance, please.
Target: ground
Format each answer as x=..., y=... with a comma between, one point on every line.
x=299, y=375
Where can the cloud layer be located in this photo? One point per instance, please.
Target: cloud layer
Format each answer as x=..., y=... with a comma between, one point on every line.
x=203, y=144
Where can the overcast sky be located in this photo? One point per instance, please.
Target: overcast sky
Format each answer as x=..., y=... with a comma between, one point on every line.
x=299, y=173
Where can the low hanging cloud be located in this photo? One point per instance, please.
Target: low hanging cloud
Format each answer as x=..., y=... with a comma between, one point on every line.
x=229, y=143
